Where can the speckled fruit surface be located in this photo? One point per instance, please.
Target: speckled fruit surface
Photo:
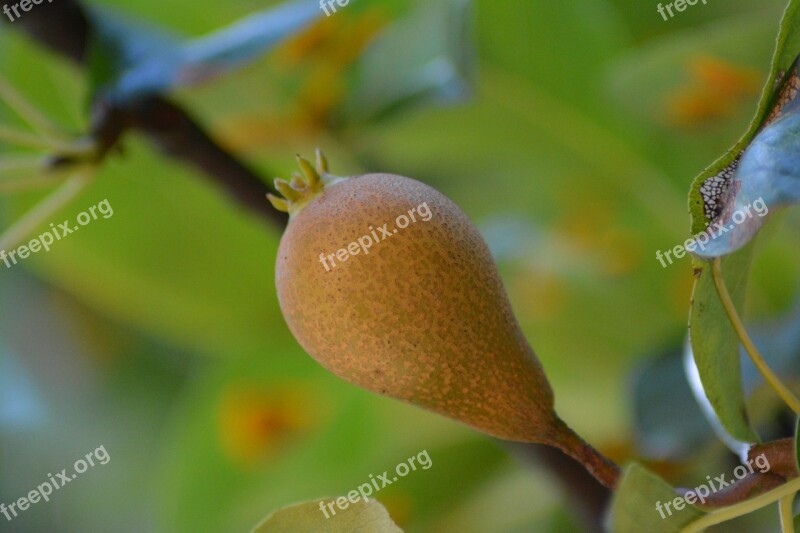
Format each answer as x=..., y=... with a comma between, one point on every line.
x=422, y=317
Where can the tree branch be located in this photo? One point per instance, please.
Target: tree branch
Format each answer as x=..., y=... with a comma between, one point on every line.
x=63, y=27
x=66, y=29
x=178, y=136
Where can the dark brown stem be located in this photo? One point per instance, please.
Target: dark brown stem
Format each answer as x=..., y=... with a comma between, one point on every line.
x=749, y=486
x=780, y=455
x=177, y=135
x=569, y=442
x=584, y=493
x=63, y=27
x=780, y=466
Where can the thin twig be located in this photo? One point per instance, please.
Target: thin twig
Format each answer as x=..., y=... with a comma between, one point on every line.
x=772, y=379
x=28, y=112
x=15, y=163
x=31, y=183
x=177, y=134
x=46, y=208
x=25, y=139
x=787, y=516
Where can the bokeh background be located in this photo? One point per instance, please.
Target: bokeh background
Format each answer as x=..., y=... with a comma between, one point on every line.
x=568, y=131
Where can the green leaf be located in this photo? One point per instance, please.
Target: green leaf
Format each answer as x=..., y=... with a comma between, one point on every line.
x=365, y=517
x=635, y=506
x=714, y=342
x=715, y=345
x=785, y=54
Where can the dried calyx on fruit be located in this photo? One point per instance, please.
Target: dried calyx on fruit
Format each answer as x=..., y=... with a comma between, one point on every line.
x=422, y=318
x=303, y=187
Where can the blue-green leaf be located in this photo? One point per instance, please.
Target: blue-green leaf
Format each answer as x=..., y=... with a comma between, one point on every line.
x=138, y=60
x=436, y=66
x=768, y=178
x=659, y=390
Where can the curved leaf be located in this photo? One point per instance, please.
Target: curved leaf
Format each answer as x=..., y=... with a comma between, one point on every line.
x=366, y=517
x=767, y=179
x=635, y=506
x=715, y=345
x=714, y=342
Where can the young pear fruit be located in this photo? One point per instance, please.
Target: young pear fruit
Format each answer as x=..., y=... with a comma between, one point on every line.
x=420, y=314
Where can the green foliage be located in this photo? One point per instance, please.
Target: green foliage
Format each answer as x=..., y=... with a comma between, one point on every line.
x=567, y=131
x=634, y=505
x=715, y=345
x=368, y=517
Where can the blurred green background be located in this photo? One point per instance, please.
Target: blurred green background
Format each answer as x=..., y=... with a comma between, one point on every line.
x=568, y=131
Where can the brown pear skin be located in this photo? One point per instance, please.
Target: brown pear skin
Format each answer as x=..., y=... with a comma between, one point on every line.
x=422, y=317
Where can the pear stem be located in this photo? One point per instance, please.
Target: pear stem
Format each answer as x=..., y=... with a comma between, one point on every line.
x=598, y=465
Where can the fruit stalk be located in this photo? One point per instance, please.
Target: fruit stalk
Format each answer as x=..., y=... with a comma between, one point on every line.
x=569, y=442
